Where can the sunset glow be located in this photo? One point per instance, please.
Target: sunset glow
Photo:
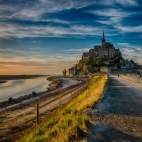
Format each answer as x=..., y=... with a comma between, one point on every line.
x=43, y=37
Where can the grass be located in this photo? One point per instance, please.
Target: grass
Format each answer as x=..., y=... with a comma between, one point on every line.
x=68, y=123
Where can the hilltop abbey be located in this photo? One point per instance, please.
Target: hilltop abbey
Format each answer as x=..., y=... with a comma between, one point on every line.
x=101, y=51
x=105, y=52
x=103, y=58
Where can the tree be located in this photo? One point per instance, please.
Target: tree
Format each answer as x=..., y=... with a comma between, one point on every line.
x=98, y=62
x=118, y=66
x=87, y=61
x=132, y=61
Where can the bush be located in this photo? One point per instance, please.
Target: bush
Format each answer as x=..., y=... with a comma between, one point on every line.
x=11, y=100
x=33, y=93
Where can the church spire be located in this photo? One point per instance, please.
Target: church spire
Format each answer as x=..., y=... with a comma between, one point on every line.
x=103, y=40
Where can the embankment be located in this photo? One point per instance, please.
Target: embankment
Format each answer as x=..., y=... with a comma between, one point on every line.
x=55, y=82
x=3, y=81
x=68, y=123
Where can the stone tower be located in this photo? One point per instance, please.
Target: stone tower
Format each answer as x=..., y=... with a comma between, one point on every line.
x=103, y=40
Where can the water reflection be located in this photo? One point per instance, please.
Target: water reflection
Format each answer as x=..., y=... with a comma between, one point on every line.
x=16, y=88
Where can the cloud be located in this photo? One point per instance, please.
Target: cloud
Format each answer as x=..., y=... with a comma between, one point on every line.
x=78, y=50
x=36, y=63
x=121, y=2
x=82, y=28
x=110, y=12
x=130, y=47
x=27, y=63
x=131, y=51
x=49, y=18
x=56, y=21
x=127, y=2
x=123, y=44
x=129, y=28
x=35, y=55
x=132, y=55
x=112, y=16
x=20, y=31
x=115, y=17
x=34, y=9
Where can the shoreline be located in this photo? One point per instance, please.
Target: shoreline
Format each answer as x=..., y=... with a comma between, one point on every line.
x=55, y=83
x=66, y=82
x=2, y=81
x=15, y=77
x=5, y=78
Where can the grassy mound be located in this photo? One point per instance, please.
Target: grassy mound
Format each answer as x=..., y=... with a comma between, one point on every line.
x=68, y=123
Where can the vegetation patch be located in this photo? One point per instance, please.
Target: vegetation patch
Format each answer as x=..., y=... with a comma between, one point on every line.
x=55, y=82
x=69, y=123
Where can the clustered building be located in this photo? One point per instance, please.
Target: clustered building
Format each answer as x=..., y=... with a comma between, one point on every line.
x=70, y=72
x=107, y=53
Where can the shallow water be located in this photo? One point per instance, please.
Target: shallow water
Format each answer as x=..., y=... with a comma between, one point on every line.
x=21, y=87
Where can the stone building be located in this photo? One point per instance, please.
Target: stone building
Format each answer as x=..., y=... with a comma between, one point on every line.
x=104, y=69
x=69, y=72
x=100, y=56
x=105, y=50
x=64, y=72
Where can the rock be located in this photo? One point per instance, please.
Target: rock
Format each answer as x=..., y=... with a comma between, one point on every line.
x=11, y=100
x=33, y=93
x=48, y=89
x=55, y=82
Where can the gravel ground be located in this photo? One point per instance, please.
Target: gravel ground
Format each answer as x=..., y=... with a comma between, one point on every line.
x=118, y=116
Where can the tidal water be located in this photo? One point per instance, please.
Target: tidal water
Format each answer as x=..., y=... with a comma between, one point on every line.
x=21, y=87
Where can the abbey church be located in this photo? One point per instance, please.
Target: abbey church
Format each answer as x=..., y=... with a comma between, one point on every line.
x=106, y=50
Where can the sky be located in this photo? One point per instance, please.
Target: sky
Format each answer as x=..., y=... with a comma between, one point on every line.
x=47, y=36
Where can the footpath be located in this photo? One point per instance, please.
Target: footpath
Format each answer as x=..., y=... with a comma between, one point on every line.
x=118, y=116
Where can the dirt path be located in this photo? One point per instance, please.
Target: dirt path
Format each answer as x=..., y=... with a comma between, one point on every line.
x=16, y=119
x=118, y=116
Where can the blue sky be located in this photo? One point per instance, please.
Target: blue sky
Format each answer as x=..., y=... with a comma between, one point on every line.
x=47, y=36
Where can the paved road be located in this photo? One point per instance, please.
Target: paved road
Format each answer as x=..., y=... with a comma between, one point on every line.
x=118, y=116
